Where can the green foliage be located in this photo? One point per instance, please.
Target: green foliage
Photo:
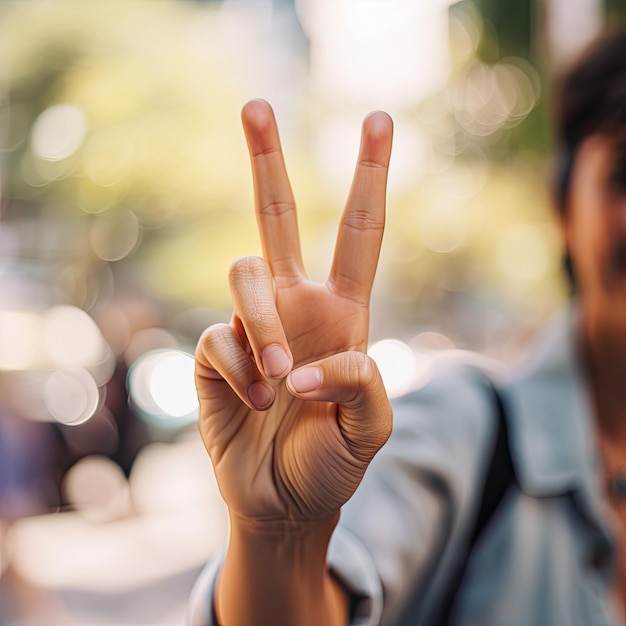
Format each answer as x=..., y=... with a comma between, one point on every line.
x=164, y=144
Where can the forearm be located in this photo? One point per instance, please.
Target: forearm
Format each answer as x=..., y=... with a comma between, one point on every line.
x=276, y=574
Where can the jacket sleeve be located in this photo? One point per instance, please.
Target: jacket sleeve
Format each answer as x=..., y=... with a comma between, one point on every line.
x=398, y=535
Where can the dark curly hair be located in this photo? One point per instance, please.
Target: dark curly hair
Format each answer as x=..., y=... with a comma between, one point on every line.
x=590, y=100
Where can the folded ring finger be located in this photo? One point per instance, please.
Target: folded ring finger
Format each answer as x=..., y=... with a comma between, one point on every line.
x=252, y=290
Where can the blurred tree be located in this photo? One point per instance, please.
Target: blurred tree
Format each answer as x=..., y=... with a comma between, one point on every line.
x=159, y=185
x=160, y=86
x=615, y=11
x=510, y=29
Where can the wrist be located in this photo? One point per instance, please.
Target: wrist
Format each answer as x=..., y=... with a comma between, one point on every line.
x=293, y=547
x=288, y=530
x=279, y=567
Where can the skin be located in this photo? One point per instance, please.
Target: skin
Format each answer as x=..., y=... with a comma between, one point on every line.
x=291, y=408
x=594, y=227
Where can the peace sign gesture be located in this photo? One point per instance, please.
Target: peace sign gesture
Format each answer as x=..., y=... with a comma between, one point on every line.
x=291, y=408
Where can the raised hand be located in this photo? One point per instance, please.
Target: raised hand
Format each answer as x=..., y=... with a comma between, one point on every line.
x=291, y=408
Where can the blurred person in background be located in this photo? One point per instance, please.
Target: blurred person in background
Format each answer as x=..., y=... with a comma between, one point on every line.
x=493, y=500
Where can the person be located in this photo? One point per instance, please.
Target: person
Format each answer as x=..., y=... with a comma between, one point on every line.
x=337, y=517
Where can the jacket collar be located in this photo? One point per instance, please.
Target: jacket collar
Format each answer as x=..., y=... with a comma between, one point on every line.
x=553, y=442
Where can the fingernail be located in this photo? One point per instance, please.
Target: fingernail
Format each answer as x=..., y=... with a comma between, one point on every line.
x=276, y=363
x=260, y=396
x=306, y=379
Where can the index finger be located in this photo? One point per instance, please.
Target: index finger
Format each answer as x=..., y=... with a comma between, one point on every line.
x=274, y=201
x=363, y=220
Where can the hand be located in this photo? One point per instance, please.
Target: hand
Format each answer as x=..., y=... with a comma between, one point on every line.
x=292, y=410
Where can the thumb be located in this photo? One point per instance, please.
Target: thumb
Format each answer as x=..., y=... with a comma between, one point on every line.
x=353, y=382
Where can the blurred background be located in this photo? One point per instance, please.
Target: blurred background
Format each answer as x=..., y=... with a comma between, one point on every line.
x=125, y=194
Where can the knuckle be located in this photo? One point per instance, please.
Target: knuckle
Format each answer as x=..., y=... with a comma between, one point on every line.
x=362, y=371
x=362, y=220
x=210, y=337
x=353, y=364
x=245, y=268
x=370, y=385
x=260, y=316
x=277, y=208
x=372, y=165
x=239, y=364
x=217, y=345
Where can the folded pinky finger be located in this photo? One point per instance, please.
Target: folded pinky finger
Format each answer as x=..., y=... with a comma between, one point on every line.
x=220, y=356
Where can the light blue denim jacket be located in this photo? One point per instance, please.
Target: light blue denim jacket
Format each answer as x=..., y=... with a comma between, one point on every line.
x=547, y=556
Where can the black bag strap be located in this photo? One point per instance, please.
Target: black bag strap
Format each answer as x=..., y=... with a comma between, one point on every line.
x=500, y=475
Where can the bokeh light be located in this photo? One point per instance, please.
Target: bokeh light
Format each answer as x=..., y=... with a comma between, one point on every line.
x=96, y=487
x=58, y=132
x=71, y=396
x=443, y=228
x=114, y=234
x=172, y=384
x=72, y=338
x=161, y=383
x=166, y=478
x=20, y=340
x=354, y=44
x=243, y=20
x=397, y=365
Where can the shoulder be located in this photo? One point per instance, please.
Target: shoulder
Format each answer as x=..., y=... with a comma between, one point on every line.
x=457, y=402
